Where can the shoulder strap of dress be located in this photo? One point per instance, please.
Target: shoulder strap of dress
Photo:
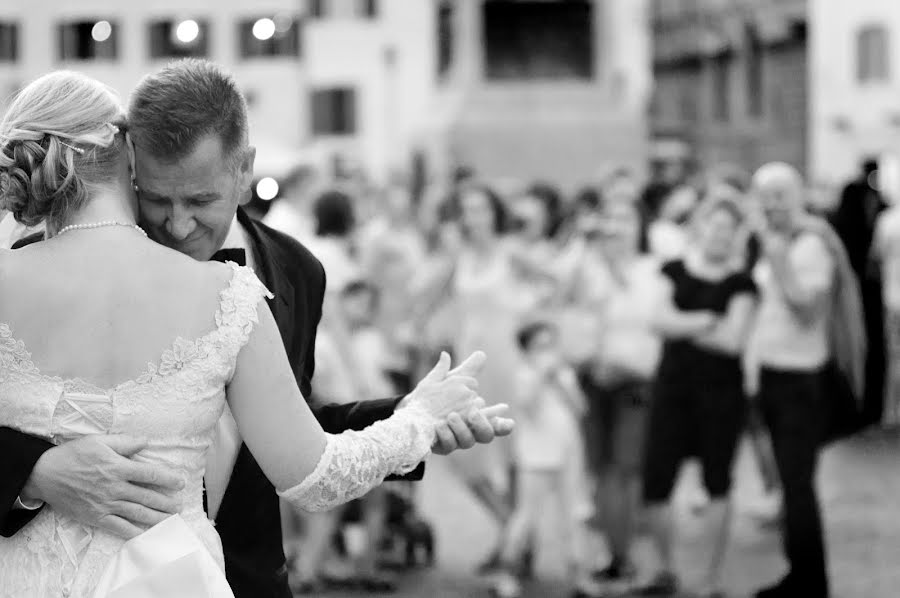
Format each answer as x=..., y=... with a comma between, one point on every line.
x=239, y=302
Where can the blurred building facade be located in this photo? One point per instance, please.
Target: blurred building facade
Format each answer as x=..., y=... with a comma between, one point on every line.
x=855, y=87
x=812, y=82
x=730, y=79
x=515, y=88
x=119, y=42
x=554, y=90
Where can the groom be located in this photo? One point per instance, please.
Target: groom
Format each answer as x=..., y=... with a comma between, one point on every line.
x=194, y=167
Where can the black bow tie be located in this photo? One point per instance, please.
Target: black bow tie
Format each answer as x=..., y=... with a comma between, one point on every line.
x=238, y=256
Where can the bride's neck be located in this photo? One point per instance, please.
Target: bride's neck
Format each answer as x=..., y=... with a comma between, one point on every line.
x=107, y=205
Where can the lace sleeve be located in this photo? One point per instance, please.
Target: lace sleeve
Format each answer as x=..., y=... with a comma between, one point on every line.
x=238, y=311
x=355, y=462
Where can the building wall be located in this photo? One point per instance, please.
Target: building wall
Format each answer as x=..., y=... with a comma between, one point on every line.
x=387, y=60
x=688, y=92
x=565, y=131
x=849, y=119
x=274, y=85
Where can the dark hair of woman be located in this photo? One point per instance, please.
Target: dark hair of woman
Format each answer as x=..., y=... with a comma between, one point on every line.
x=501, y=214
x=333, y=211
x=551, y=198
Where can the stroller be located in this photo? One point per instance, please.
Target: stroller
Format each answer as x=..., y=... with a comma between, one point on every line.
x=408, y=540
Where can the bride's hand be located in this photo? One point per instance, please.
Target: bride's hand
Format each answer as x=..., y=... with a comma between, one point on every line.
x=442, y=391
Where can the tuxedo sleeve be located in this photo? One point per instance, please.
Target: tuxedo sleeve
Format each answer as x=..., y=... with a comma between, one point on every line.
x=20, y=452
x=352, y=416
x=315, y=317
x=358, y=416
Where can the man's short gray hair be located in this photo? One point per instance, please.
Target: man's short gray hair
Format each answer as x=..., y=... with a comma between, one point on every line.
x=172, y=110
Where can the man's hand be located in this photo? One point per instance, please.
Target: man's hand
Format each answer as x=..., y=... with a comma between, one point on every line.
x=94, y=481
x=481, y=425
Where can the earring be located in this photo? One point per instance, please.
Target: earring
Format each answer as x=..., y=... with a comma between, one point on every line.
x=134, y=185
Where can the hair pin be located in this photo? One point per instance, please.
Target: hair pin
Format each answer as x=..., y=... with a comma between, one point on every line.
x=72, y=147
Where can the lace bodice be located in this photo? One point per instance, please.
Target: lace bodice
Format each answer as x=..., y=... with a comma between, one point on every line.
x=174, y=405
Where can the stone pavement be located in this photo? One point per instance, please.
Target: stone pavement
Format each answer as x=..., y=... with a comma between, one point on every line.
x=860, y=491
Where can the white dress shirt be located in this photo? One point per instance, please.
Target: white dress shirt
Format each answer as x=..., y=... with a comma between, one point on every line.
x=227, y=443
x=780, y=340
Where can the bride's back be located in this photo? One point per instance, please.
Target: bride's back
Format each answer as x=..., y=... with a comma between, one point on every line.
x=104, y=303
x=93, y=303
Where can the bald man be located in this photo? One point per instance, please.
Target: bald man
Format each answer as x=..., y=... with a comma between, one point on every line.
x=790, y=351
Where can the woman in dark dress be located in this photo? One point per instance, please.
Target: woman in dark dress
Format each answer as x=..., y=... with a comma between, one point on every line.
x=698, y=403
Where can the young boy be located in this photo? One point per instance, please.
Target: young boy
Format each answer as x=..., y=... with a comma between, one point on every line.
x=548, y=451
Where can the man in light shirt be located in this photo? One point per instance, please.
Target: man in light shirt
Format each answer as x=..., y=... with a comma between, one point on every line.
x=790, y=349
x=886, y=259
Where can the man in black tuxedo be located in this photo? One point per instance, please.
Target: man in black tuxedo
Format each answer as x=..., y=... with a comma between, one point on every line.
x=193, y=169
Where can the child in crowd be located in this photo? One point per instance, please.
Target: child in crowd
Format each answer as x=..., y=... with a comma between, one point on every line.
x=358, y=305
x=548, y=450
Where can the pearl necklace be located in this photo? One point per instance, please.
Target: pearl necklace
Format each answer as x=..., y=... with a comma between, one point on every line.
x=100, y=225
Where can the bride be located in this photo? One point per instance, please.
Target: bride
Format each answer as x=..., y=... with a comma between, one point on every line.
x=104, y=331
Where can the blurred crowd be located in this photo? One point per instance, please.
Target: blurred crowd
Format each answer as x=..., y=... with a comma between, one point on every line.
x=632, y=326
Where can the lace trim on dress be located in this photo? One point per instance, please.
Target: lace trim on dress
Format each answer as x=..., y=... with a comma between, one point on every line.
x=13, y=354
x=235, y=317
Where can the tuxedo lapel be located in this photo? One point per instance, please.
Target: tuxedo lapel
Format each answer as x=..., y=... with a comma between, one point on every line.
x=274, y=277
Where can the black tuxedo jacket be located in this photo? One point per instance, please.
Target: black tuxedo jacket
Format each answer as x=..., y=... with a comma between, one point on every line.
x=249, y=519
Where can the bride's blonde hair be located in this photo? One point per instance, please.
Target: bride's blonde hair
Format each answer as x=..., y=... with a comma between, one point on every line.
x=59, y=141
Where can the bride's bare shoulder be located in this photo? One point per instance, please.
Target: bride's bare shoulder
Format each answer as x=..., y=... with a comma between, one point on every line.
x=184, y=272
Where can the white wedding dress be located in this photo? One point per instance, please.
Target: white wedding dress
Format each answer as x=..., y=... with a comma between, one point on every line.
x=175, y=405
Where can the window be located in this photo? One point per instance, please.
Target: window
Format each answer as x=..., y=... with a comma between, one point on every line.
x=334, y=111
x=318, y=8
x=687, y=105
x=9, y=42
x=87, y=40
x=179, y=39
x=369, y=8
x=269, y=36
x=535, y=39
x=721, y=75
x=872, y=63
x=754, y=56
x=445, y=38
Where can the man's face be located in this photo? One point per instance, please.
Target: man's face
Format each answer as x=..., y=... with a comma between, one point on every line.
x=780, y=203
x=189, y=205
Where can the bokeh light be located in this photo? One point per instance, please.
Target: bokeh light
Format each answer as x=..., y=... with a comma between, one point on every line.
x=187, y=31
x=101, y=31
x=264, y=29
x=267, y=188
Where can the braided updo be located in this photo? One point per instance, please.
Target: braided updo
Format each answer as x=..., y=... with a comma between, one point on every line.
x=59, y=141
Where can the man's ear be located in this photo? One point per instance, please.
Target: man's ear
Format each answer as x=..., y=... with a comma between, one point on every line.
x=246, y=175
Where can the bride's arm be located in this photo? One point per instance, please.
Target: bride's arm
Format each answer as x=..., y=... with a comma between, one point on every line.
x=315, y=470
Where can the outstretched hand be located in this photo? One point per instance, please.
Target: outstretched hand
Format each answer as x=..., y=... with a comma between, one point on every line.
x=442, y=392
x=473, y=424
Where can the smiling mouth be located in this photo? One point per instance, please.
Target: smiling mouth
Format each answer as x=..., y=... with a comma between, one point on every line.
x=183, y=242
